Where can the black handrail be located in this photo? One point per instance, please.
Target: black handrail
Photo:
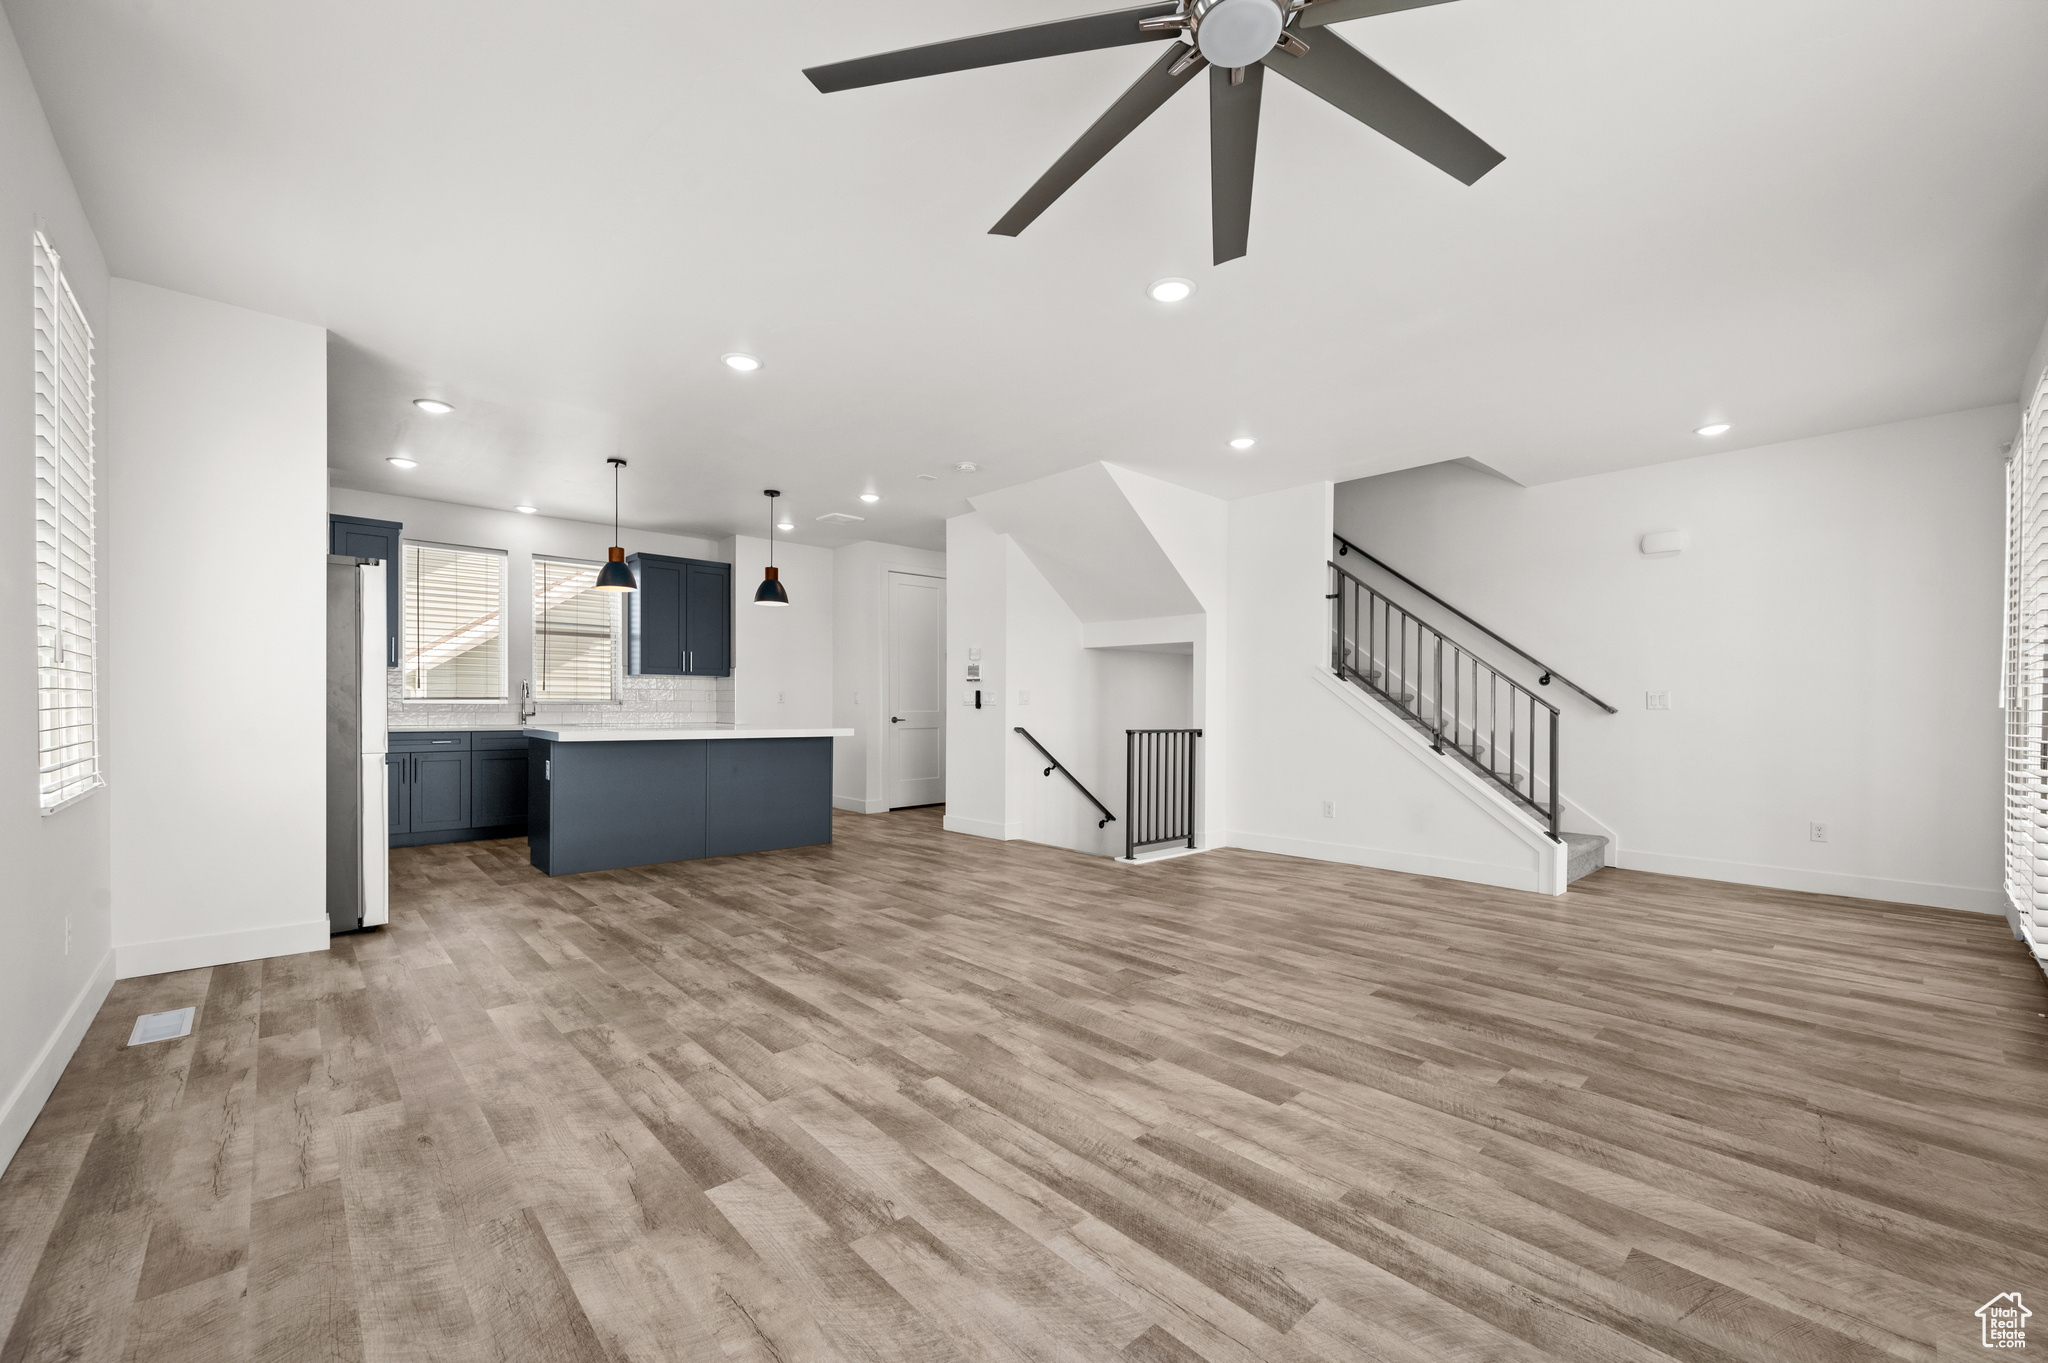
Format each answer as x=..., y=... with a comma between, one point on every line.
x=1347, y=547
x=1399, y=657
x=1107, y=817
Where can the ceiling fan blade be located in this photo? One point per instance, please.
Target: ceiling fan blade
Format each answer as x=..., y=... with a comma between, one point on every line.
x=1373, y=95
x=1233, y=146
x=1134, y=106
x=1112, y=28
x=1337, y=11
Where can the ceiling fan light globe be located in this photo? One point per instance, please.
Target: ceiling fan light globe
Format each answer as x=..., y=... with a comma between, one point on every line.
x=1234, y=33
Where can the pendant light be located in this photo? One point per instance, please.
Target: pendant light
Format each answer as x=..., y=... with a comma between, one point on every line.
x=615, y=576
x=771, y=592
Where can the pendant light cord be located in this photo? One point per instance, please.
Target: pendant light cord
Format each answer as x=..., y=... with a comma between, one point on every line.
x=771, y=532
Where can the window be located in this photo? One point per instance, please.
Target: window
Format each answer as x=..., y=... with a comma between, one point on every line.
x=2025, y=695
x=574, y=641
x=454, y=633
x=67, y=656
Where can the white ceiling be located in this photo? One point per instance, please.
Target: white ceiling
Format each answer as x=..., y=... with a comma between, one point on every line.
x=1800, y=217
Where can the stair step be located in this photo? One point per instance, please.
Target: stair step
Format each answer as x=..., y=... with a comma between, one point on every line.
x=1588, y=853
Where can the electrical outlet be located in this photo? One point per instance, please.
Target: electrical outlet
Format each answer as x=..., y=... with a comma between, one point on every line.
x=1023, y=697
x=67, y=933
x=1817, y=831
x=1329, y=809
x=1656, y=700
x=779, y=697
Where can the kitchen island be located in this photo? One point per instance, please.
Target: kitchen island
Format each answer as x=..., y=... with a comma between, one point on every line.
x=601, y=799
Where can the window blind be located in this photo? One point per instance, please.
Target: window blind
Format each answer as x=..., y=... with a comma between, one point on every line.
x=454, y=623
x=67, y=661
x=574, y=640
x=2026, y=676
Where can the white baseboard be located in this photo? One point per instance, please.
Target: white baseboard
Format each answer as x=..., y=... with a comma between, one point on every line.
x=1450, y=868
x=18, y=1113
x=218, y=948
x=1965, y=897
x=983, y=828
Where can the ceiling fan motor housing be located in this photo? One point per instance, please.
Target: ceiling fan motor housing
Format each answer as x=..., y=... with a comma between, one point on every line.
x=1237, y=32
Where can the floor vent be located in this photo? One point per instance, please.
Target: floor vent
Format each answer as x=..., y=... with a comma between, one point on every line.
x=162, y=1026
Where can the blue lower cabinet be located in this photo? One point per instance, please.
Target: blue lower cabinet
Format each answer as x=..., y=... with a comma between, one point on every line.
x=601, y=806
x=440, y=792
x=766, y=793
x=607, y=805
x=398, y=791
x=456, y=787
x=497, y=787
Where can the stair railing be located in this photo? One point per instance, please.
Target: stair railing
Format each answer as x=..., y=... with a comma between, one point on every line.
x=1549, y=673
x=1057, y=766
x=1159, y=788
x=1467, y=707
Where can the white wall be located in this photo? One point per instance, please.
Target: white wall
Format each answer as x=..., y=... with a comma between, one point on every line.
x=216, y=486
x=782, y=655
x=56, y=867
x=1830, y=641
x=1061, y=571
x=647, y=700
x=1296, y=741
x=977, y=594
x=860, y=665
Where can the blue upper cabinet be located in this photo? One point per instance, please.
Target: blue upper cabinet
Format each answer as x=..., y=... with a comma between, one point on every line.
x=707, y=620
x=679, y=624
x=356, y=537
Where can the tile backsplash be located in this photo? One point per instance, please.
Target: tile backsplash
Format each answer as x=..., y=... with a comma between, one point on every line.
x=644, y=702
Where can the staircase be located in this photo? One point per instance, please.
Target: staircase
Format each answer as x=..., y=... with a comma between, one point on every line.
x=1469, y=711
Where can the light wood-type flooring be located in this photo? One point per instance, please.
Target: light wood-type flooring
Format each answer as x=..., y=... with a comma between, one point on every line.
x=920, y=1096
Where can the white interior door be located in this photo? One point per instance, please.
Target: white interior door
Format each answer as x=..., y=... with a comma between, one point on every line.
x=915, y=747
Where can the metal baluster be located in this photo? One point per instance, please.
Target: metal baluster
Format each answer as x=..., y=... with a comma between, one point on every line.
x=1493, y=723
x=1553, y=774
x=1439, y=744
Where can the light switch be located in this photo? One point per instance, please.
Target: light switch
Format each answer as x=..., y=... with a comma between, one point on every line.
x=1023, y=697
x=1656, y=700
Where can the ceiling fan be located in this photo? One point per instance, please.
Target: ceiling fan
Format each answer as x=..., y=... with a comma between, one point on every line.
x=1237, y=40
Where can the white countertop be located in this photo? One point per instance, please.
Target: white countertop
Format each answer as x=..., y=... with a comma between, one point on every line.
x=570, y=733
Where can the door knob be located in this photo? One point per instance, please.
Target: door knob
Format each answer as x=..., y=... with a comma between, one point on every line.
x=895, y=719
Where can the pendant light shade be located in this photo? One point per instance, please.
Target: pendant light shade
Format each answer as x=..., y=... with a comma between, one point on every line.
x=615, y=576
x=771, y=592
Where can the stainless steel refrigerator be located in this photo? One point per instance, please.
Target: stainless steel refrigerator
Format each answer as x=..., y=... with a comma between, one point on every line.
x=358, y=825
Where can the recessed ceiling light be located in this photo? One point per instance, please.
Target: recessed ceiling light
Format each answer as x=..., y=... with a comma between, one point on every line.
x=965, y=468
x=871, y=496
x=1243, y=442
x=399, y=461
x=1716, y=428
x=526, y=510
x=928, y=477
x=785, y=525
x=1170, y=290
x=433, y=406
x=746, y=364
